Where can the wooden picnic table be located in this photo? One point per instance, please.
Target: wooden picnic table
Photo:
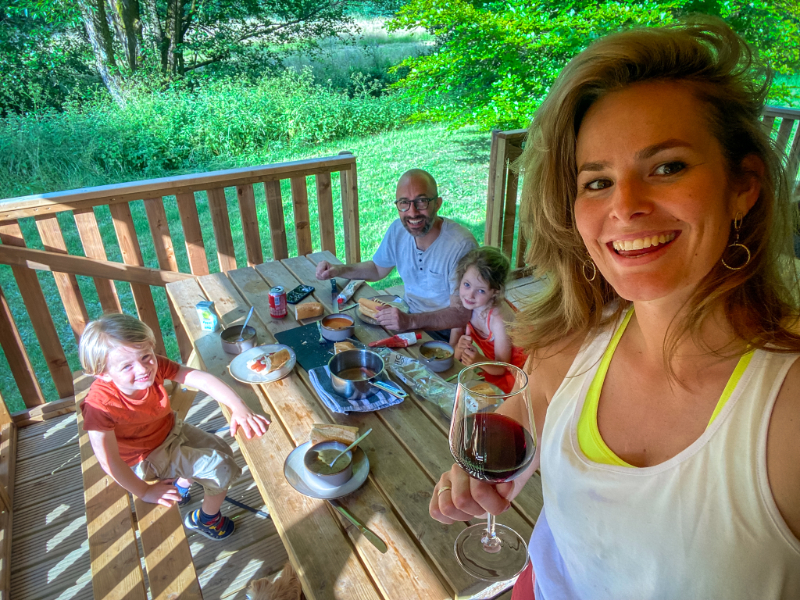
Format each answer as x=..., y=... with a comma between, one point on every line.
x=407, y=450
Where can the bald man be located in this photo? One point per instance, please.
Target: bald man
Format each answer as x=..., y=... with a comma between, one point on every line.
x=425, y=249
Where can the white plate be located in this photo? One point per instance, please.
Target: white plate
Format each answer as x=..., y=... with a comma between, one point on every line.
x=239, y=369
x=295, y=472
x=395, y=301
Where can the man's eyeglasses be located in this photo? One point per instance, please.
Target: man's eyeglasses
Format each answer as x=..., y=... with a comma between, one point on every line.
x=419, y=204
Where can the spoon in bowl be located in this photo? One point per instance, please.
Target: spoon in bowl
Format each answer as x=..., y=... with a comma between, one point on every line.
x=246, y=321
x=350, y=447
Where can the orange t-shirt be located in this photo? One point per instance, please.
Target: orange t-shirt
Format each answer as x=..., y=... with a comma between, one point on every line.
x=139, y=425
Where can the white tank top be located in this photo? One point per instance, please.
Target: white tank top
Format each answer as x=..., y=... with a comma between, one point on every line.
x=702, y=525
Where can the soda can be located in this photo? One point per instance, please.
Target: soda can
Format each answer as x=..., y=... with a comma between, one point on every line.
x=277, y=302
x=208, y=318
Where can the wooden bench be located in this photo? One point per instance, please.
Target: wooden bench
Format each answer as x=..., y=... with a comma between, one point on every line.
x=113, y=547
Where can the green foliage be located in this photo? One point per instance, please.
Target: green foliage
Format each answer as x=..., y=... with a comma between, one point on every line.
x=41, y=63
x=495, y=61
x=157, y=133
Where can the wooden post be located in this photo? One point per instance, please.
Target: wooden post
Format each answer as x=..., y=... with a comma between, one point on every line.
x=302, y=225
x=277, y=227
x=327, y=226
x=352, y=240
x=218, y=206
x=192, y=234
x=252, y=238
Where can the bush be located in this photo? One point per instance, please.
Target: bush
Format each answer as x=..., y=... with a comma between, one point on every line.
x=157, y=133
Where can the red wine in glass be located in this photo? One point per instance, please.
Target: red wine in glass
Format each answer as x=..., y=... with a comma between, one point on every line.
x=492, y=440
x=494, y=448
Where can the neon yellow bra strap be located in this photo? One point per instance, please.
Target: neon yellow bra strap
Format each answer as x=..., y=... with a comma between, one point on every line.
x=589, y=438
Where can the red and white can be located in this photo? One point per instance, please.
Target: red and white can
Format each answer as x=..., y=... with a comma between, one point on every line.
x=277, y=302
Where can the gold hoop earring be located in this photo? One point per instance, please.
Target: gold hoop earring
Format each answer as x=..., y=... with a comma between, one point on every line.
x=737, y=225
x=589, y=263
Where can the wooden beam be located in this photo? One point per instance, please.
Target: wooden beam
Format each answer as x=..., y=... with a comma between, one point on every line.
x=86, y=222
x=41, y=260
x=67, y=284
x=40, y=204
x=17, y=357
x=35, y=304
x=218, y=206
x=44, y=412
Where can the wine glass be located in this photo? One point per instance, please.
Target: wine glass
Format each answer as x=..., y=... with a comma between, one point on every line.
x=492, y=438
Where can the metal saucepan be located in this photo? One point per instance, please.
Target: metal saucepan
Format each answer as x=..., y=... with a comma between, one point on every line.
x=360, y=370
x=231, y=342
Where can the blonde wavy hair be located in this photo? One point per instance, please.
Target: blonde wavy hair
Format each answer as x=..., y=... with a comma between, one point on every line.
x=723, y=73
x=111, y=331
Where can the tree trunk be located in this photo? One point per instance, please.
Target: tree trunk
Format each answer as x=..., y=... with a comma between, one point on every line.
x=128, y=27
x=156, y=32
x=175, y=9
x=96, y=22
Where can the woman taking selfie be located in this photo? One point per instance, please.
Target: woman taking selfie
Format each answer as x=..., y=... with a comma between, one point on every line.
x=663, y=379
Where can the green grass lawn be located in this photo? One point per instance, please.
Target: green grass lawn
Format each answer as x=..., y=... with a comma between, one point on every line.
x=457, y=159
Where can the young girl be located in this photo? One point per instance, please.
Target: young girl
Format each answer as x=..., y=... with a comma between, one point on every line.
x=482, y=274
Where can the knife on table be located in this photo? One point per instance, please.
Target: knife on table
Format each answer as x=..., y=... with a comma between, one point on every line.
x=367, y=533
x=334, y=294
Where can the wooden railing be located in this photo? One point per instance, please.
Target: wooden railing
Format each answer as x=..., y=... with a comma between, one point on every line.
x=502, y=197
x=80, y=207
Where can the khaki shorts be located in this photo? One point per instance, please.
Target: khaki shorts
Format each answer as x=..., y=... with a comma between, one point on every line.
x=191, y=453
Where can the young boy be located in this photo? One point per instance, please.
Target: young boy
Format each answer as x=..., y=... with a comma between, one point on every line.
x=136, y=436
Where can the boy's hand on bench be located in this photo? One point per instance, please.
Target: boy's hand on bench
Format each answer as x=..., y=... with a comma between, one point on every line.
x=250, y=422
x=161, y=492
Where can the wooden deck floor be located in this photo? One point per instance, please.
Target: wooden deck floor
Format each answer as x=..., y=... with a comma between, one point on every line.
x=50, y=552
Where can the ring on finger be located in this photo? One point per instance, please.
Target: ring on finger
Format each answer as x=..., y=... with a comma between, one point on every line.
x=443, y=489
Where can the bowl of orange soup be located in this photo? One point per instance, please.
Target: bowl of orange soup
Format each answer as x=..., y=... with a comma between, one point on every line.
x=337, y=327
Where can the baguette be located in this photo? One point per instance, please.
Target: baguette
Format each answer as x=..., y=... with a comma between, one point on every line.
x=369, y=308
x=306, y=310
x=342, y=346
x=322, y=432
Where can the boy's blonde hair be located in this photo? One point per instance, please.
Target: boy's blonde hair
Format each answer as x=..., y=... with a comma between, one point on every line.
x=108, y=332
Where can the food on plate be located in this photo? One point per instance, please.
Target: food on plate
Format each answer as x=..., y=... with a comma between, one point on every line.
x=259, y=363
x=484, y=388
x=434, y=353
x=322, y=432
x=342, y=347
x=269, y=362
x=369, y=308
x=306, y=310
x=336, y=322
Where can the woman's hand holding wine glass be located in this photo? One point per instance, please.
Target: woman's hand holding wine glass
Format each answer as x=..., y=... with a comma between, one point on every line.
x=492, y=439
x=465, y=498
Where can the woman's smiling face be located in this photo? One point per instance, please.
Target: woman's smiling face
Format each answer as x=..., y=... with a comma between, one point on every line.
x=654, y=203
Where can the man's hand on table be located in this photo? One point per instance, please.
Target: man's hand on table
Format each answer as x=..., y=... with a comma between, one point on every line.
x=250, y=422
x=325, y=270
x=392, y=318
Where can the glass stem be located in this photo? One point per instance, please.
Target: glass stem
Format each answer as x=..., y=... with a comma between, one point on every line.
x=491, y=543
